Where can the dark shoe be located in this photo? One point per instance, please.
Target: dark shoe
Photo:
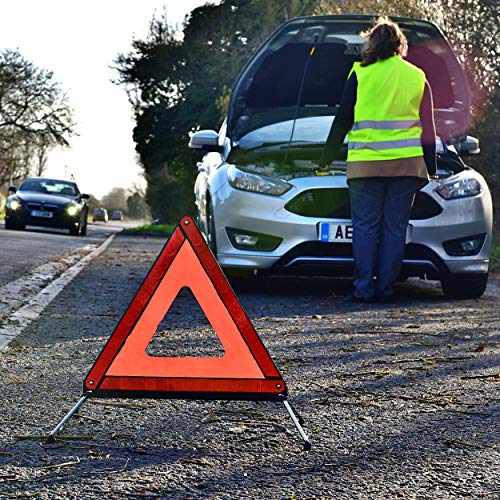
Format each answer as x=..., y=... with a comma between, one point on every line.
x=354, y=298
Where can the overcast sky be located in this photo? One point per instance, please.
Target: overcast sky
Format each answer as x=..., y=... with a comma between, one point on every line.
x=79, y=41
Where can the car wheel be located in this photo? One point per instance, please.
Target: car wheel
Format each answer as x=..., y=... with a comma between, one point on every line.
x=13, y=226
x=83, y=230
x=198, y=218
x=464, y=286
x=212, y=242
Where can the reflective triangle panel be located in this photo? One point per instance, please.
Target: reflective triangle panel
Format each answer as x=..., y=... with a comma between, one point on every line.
x=245, y=371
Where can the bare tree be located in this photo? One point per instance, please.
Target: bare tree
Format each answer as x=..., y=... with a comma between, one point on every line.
x=116, y=199
x=34, y=116
x=137, y=207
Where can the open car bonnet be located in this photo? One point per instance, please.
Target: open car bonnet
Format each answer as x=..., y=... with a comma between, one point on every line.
x=267, y=89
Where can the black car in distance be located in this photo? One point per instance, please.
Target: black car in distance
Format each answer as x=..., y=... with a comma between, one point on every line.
x=48, y=203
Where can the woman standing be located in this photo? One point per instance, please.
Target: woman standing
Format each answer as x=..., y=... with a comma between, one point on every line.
x=386, y=108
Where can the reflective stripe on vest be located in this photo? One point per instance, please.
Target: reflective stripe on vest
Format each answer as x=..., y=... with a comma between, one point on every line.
x=387, y=111
x=381, y=145
x=385, y=125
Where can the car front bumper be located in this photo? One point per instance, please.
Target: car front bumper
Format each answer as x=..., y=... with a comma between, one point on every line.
x=60, y=219
x=301, y=251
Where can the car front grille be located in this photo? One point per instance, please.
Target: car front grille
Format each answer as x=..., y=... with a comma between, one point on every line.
x=43, y=206
x=334, y=203
x=324, y=203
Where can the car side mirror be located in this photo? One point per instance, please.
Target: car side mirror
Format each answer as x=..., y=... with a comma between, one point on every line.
x=205, y=140
x=85, y=196
x=469, y=147
x=11, y=190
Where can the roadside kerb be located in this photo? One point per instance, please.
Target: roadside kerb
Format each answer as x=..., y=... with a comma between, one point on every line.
x=29, y=312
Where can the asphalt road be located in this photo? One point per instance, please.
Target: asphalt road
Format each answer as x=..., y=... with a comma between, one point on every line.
x=400, y=400
x=23, y=251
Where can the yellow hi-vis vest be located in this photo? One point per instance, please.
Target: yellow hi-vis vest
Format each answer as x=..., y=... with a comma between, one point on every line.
x=387, y=111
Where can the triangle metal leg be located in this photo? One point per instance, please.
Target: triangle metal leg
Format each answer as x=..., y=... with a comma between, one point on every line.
x=295, y=420
x=51, y=437
x=307, y=443
x=297, y=414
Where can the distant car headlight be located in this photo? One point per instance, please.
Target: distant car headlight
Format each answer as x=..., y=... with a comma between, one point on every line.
x=248, y=181
x=72, y=210
x=461, y=188
x=13, y=204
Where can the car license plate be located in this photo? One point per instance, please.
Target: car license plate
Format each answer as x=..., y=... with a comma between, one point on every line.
x=332, y=232
x=41, y=213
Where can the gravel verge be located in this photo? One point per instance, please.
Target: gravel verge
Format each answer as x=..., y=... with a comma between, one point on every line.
x=400, y=400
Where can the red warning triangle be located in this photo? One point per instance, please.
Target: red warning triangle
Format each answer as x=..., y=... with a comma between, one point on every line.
x=245, y=371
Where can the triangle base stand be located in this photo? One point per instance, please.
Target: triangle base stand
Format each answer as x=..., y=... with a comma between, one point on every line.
x=296, y=419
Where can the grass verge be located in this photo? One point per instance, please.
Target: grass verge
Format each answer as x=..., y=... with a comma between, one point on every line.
x=495, y=258
x=161, y=230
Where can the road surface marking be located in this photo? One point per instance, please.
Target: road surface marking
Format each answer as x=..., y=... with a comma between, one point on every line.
x=20, y=291
x=33, y=306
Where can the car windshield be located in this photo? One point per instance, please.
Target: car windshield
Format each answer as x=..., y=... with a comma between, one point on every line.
x=311, y=130
x=268, y=150
x=49, y=186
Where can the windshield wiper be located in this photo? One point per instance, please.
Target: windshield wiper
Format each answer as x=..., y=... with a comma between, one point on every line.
x=307, y=144
x=282, y=145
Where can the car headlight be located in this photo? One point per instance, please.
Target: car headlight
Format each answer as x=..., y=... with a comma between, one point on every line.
x=461, y=188
x=13, y=204
x=248, y=181
x=72, y=210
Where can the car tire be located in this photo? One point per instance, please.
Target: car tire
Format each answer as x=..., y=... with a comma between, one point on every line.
x=198, y=218
x=13, y=226
x=464, y=286
x=211, y=238
x=83, y=229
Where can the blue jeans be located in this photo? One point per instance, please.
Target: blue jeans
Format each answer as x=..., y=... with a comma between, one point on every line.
x=380, y=209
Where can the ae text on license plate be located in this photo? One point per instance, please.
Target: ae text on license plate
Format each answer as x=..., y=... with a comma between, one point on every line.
x=332, y=232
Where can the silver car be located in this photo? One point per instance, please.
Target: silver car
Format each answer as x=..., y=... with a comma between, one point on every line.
x=264, y=206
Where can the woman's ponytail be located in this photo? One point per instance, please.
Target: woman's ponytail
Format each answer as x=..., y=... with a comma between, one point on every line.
x=384, y=40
